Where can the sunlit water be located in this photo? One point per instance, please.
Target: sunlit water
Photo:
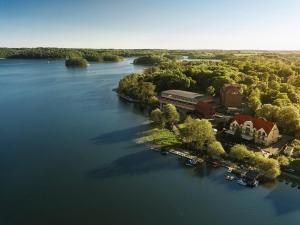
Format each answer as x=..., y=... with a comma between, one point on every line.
x=68, y=156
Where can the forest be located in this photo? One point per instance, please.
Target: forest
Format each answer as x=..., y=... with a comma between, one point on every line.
x=270, y=83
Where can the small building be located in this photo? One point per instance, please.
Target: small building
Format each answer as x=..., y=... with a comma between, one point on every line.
x=231, y=95
x=189, y=102
x=254, y=129
x=288, y=151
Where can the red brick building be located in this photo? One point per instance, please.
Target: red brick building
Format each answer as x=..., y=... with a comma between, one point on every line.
x=231, y=95
x=185, y=101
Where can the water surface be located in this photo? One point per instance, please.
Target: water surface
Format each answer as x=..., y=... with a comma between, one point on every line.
x=68, y=156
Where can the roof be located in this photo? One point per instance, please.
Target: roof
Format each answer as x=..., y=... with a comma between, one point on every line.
x=231, y=85
x=186, y=94
x=258, y=123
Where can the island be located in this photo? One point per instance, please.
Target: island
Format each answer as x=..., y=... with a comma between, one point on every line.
x=76, y=62
x=149, y=60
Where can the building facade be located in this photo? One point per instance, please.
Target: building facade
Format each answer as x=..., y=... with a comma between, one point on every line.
x=231, y=95
x=254, y=129
x=185, y=101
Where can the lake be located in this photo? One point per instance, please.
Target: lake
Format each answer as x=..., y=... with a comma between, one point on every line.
x=68, y=156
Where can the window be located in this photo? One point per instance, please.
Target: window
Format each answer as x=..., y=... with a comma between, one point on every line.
x=247, y=131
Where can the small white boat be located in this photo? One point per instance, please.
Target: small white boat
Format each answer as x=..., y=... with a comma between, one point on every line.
x=190, y=162
x=229, y=178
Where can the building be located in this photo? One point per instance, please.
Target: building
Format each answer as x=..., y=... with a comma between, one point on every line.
x=231, y=96
x=185, y=101
x=288, y=151
x=254, y=129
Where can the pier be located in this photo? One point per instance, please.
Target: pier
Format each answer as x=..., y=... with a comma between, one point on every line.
x=186, y=155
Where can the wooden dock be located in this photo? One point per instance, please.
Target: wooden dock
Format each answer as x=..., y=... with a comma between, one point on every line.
x=186, y=155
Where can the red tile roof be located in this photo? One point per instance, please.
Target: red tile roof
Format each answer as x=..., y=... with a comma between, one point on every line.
x=257, y=122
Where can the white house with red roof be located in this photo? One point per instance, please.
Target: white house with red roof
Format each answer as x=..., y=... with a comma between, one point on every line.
x=259, y=130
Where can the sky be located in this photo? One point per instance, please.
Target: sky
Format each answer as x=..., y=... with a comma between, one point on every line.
x=163, y=24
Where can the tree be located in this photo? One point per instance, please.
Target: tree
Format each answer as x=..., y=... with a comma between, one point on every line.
x=111, y=58
x=268, y=167
x=145, y=91
x=149, y=60
x=197, y=132
x=76, y=62
x=254, y=102
x=240, y=152
x=134, y=87
x=157, y=117
x=283, y=160
x=269, y=112
x=215, y=148
x=289, y=120
x=170, y=115
x=211, y=91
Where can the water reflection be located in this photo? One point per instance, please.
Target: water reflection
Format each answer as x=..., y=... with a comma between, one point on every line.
x=134, y=164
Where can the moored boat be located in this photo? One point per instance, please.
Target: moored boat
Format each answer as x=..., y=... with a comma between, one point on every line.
x=190, y=162
x=164, y=152
x=229, y=177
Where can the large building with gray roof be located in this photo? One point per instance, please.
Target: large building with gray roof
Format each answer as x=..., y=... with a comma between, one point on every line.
x=200, y=104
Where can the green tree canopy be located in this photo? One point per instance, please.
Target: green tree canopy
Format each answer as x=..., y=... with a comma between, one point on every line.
x=215, y=148
x=240, y=152
x=197, y=132
x=170, y=114
x=157, y=117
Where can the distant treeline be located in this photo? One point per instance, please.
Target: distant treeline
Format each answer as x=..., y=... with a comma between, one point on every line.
x=113, y=54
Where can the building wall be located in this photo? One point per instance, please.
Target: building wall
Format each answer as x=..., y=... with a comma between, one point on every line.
x=178, y=104
x=231, y=96
x=273, y=136
x=259, y=136
x=205, y=109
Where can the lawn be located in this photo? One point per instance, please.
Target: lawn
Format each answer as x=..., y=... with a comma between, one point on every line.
x=158, y=136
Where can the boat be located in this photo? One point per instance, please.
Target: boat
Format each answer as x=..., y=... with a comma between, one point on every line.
x=193, y=161
x=190, y=162
x=254, y=184
x=164, y=152
x=216, y=165
x=241, y=182
x=229, y=177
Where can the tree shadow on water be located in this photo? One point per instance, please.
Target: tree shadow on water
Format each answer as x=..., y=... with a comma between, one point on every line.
x=285, y=199
x=135, y=164
x=119, y=135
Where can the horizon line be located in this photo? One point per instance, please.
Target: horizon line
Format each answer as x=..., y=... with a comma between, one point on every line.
x=171, y=49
